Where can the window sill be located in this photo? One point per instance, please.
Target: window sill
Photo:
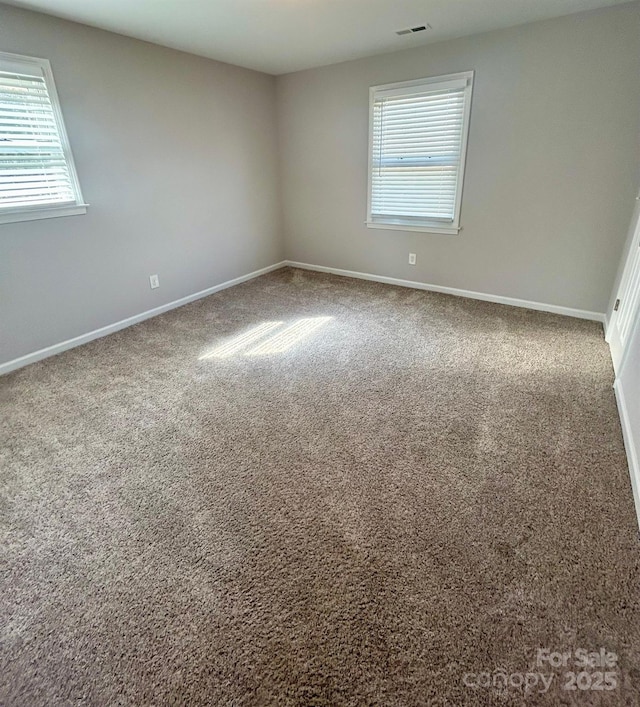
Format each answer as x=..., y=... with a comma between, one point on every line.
x=424, y=228
x=44, y=212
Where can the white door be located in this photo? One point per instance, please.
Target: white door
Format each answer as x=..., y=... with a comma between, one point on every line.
x=627, y=299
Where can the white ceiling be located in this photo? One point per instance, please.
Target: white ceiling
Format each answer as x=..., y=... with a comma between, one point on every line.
x=279, y=36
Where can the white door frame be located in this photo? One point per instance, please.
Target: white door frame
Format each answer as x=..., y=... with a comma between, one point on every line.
x=627, y=306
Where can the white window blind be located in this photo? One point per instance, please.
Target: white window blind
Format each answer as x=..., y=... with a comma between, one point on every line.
x=37, y=174
x=418, y=144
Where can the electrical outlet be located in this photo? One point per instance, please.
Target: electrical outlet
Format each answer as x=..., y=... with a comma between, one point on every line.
x=154, y=281
x=412, y=258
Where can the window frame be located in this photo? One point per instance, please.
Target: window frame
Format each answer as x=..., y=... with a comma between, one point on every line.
x=15, y=214
x=403, y=223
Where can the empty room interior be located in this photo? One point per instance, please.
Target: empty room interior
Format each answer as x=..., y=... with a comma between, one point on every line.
x=320, y=352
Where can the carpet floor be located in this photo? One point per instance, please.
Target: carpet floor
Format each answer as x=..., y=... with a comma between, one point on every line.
x=312, y=490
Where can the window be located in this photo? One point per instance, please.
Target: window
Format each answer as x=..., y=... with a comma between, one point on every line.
x=418, y=138
x=37, y=175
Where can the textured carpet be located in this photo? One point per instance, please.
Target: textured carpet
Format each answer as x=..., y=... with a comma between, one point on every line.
x=375, y=495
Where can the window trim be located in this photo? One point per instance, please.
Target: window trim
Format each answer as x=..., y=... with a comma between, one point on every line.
x=426, y=226
x=16, y=214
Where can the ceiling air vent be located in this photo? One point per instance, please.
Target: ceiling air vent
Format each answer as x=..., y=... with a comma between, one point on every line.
x=413, y=30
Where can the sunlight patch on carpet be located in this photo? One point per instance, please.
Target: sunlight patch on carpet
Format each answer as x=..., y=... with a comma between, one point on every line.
x=279, y=342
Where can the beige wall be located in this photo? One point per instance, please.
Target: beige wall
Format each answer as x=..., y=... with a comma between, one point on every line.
x=177, y=157
x=552, y=167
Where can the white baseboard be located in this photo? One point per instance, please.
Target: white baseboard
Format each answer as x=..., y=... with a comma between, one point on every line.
x=630, y=445
x=129, y=321
x=111, y=328
x=498, y=299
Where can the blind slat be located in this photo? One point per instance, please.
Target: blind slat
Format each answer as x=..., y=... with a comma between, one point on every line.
x=16, y=200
